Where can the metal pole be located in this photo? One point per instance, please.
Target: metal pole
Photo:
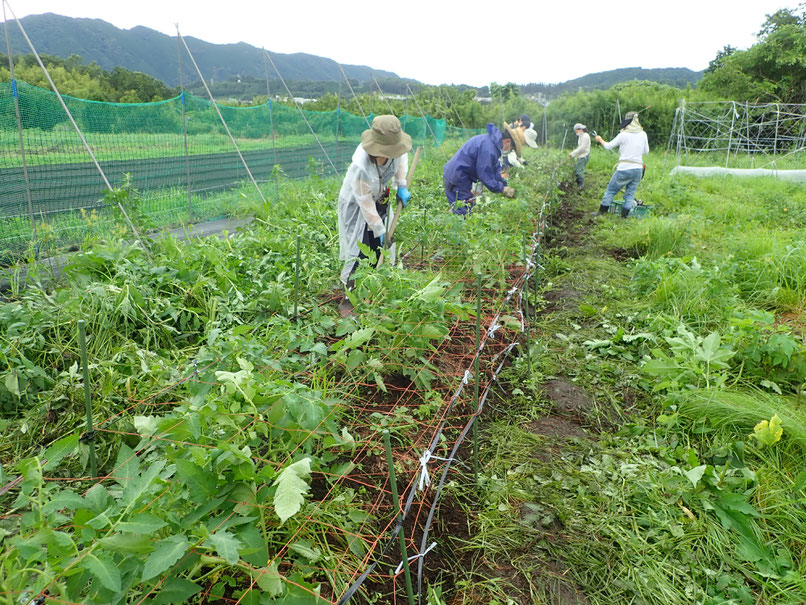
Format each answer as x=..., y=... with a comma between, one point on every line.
x=355, y=96
x=730, y=133
x=425, y=117
x=399, y=514
x=682, y=131
x=302, y=114
x=422, y=238
x=82, y=341
x=221, y=117
x=75, y=125
x=565, y=134
x=296, y=281
x=477, y=417
x=545, y=128
x=380, y=92
x=526, y=298
x=338, y=118
x=775, y=144
x=274, y=169
x=184, y=127
x=15, y=94
x=535, y=280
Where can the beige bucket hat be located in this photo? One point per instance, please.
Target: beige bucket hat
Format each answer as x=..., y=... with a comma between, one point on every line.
x=530, y=134
x=385, y=138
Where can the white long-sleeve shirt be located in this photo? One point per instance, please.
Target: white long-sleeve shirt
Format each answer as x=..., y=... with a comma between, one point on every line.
x=631, y=147
x=583, y=146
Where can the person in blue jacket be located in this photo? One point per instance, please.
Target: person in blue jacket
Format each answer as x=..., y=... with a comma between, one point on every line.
x=476, y=161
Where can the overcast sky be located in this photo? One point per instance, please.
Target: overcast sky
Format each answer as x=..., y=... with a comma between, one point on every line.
x=462, y=41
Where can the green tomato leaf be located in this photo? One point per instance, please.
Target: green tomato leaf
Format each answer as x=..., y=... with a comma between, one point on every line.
x=200, y=482
x=13, y=384
x=695, y=474
x=58, y=450
x=141, y=524
x=103, y=569
x=270, y=580
x=291, y=489
x=167, y=552
x=177, y=590
x=226, y=545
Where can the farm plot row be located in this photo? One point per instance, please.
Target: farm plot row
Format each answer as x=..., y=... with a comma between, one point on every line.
x=239, y=446
x=654, y=451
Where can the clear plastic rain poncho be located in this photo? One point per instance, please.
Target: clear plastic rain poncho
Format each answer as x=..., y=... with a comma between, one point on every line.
x=363, y=185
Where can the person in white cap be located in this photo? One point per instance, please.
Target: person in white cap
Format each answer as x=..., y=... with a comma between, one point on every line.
x=363, y=199
x=582, y=152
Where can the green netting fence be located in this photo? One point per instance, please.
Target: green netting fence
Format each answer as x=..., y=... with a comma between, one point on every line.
x=179, y=178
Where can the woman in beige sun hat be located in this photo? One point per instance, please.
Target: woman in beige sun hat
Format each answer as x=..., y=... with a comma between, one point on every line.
x=381, y=157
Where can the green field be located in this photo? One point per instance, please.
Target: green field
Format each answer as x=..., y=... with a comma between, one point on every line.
x=643, y=443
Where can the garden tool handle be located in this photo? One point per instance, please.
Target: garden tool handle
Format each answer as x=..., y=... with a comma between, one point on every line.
x=409, y=179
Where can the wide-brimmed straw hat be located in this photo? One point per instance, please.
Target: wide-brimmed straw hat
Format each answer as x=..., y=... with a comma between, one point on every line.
x=385, y=138
x=515, y=138
x=530, y=134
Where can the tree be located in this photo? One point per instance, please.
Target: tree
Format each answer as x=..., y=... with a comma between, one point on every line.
x=782, y=18
x=719, y=60
x=503, y=92
x=773, y=69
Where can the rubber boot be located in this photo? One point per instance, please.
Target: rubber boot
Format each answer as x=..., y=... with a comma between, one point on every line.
x=625, y=212
x=580, y=181
x=345, y=306
x=604, y=209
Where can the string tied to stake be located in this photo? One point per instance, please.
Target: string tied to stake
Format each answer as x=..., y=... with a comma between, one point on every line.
x=425, y=479
x=415, y=557
x=493, y=328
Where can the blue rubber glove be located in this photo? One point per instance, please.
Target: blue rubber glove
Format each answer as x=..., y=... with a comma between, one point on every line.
x=383, y=237
x=403, y=195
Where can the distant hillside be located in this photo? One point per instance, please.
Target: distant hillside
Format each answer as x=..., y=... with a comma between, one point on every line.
x=151, y=52
x=673, y=76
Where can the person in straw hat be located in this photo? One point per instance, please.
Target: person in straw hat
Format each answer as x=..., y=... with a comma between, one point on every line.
x=515, y=155
x=523, y=133
x=632, y=144
x=477, y=161
x=363, y=205
x=582, y=153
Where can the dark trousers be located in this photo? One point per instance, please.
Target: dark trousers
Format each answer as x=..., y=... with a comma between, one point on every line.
x=369, y=240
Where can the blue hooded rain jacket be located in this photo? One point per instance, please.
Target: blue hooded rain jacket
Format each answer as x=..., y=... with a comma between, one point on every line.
x=477, y=160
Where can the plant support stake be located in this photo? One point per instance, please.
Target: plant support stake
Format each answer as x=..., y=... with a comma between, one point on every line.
x=476, y=389
x=398, y=513
x=296, y=282
x=90, y=434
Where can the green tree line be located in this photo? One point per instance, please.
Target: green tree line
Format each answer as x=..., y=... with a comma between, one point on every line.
x=772, y=70
x=90, y=81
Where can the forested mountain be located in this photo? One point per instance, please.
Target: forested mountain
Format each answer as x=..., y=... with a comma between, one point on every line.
x=679, y=77
x=151, y=52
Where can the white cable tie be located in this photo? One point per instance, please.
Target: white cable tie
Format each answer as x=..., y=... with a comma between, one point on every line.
x=493, y=329
x=512, y=291
x=466, y=377
x=415, y=557
x=425, y=478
